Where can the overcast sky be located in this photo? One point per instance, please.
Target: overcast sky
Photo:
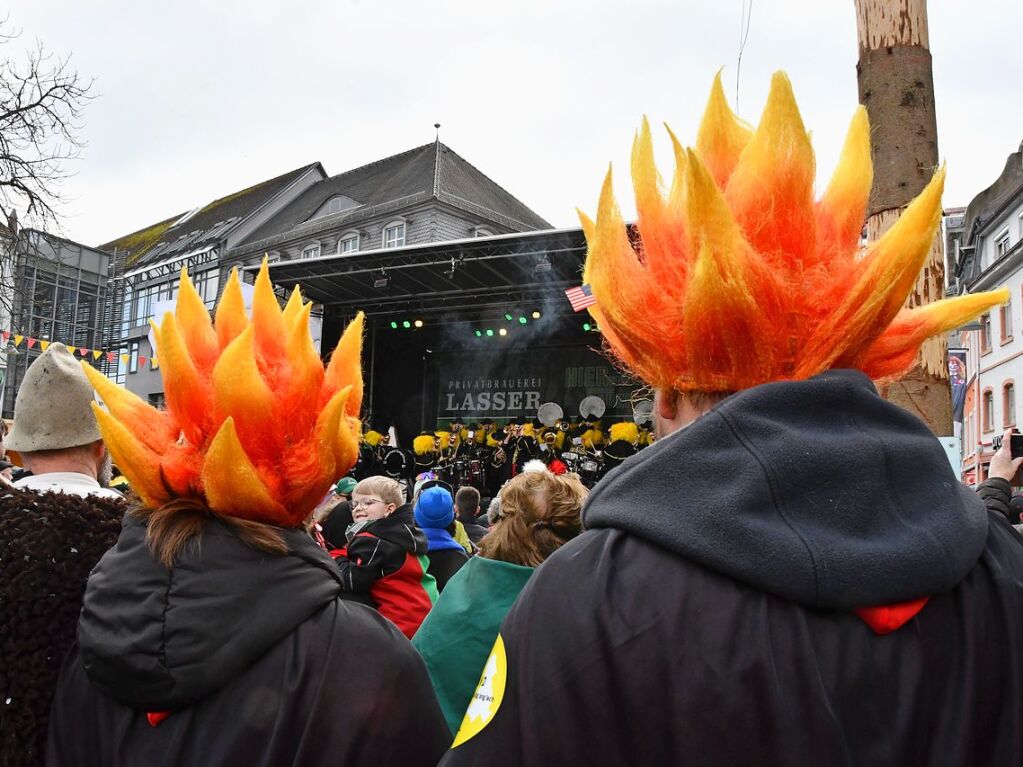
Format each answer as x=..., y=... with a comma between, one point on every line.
x=199, y=99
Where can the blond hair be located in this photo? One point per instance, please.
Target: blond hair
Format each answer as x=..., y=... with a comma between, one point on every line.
x=540, y=512
x=388, y=489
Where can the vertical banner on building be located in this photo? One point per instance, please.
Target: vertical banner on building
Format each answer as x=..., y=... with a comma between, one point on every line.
x=957, y=379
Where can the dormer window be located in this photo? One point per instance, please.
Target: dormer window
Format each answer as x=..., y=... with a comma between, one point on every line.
x=336, y=204
x=311, y=251
x=394, y=234
x=482, y=231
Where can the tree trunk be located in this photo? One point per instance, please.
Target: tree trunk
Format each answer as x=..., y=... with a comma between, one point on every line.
x=896, y=86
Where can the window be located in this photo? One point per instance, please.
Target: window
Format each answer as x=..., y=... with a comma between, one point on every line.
x=482, y=231
x=335, y=204
x=157, y=400
x=133, y=357
x=1009, y=404
x=1002, y=244
x=985, y=333
x=311, y=251
x=988, y=413
x=394, y=235
x=1006, y=313
x=349, y=243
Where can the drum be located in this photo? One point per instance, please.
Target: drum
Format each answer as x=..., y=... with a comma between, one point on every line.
x=589, y=467
x=398, y=463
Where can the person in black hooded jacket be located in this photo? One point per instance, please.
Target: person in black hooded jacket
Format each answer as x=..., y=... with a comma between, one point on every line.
x=214, y=633
x=792, y=574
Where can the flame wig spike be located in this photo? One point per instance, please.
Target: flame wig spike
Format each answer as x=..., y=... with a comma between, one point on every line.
x=194, y=321
x=247, y=435
x=128, y=407
x=231, y=319
x=140, y=464
x=722, y=135
x=294, y=305
x=267, y=320
x=345, y=367
x=764, y=284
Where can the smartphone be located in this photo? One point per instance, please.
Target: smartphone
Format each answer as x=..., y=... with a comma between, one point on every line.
x=1015, y=446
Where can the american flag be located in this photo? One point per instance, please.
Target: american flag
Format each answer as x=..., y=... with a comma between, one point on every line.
x=580, y=297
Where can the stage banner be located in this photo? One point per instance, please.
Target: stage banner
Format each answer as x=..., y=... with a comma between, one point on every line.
x=500, y=386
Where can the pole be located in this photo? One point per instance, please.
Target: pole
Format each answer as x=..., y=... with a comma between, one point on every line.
x=896, y=85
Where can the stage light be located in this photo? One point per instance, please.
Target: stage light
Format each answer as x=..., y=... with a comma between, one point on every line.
x=523, y=320
x=406, y=324
x=489, y=332
x=479, y=333
x=381, y=280
x=536, y=315
x=419, y=323
x=508, y=317
x=394, y=326
x=503, y=331
x=586, y=326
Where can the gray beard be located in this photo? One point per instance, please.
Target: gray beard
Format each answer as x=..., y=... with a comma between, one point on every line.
x=105, y=472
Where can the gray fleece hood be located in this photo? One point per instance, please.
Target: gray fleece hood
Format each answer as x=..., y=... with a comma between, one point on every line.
x=818, y=491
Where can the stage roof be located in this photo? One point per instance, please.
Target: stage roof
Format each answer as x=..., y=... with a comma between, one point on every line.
x=460, y=278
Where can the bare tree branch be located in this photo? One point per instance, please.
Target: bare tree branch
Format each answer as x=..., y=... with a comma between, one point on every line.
x=41, y=101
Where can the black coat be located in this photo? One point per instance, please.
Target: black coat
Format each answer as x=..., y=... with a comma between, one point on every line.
x=711, y=614
x=444, y=563
x=254, y=656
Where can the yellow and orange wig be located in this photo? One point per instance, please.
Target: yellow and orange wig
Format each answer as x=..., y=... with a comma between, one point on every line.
x=254, y=427
x=741, y=277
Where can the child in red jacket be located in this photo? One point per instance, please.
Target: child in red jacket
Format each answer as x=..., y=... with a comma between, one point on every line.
x=385, y=556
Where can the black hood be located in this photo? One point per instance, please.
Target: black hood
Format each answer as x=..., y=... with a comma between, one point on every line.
x=399, y=528
x=158, y=639
x=817, y=491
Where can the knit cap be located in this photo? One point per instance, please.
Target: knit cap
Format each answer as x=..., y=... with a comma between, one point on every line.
x=434, y=508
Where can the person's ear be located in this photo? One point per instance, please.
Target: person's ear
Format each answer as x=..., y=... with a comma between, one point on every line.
x=391, y=508
x=666, y=401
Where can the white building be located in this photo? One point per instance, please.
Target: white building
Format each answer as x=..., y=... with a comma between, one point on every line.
x=991, y=256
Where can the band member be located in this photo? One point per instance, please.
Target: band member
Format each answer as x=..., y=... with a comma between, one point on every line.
x=624, y=444
x=427, y=449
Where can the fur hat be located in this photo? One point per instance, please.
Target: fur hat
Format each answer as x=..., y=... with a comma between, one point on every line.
x=53, y=410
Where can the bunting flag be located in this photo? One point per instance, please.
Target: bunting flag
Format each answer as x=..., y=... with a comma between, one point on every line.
x=111, y=356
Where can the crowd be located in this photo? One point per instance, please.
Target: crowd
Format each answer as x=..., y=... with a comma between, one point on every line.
x=791, y=573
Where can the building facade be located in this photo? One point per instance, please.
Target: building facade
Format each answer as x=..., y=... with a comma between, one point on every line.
x=990, y=256
x=60, y=292
x=427, y=194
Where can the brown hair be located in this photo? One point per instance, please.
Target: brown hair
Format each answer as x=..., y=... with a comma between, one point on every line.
x=467, y=500
x=388, y=489
x=177, y=523
x=539, y=513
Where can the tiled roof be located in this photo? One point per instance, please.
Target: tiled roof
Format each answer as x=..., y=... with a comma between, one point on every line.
x=209, y=223
x=431, y=170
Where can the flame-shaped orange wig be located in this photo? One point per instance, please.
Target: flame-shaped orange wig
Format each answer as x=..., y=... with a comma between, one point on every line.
x=741, y=277
x=255, y=427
